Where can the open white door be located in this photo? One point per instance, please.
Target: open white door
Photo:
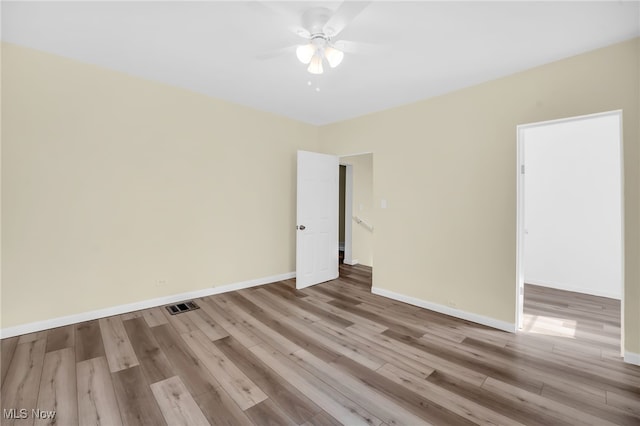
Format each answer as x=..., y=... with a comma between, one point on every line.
x=317, y=227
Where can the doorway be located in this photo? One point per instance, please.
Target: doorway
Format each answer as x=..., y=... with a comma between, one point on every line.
x=357, y=216
x=570, y=212
x=341, y=212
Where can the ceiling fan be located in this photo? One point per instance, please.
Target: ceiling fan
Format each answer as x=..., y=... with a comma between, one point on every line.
x=320, y=27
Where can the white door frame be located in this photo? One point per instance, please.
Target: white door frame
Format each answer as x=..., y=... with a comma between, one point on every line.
x=348, y=214
x=348, y=208
x=520, y=231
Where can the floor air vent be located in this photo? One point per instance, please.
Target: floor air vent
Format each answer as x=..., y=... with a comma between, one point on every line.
x=181, y=307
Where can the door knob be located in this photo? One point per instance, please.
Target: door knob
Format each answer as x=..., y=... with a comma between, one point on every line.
x=301, y=227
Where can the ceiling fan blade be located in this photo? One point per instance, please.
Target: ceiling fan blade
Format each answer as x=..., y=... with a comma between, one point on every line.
x=358, y=47
x=346, y=13
x=299, y=31
x=275, y=53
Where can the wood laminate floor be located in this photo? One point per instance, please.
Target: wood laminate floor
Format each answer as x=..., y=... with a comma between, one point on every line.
x=327, y=355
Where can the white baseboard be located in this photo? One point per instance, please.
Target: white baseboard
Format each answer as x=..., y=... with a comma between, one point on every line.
x=561, y=286
x=352, y=263
x=480, y=319
x=632, y=358
x=136, y=306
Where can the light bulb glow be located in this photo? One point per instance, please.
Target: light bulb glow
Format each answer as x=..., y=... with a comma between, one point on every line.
x=315, y=67
x=305, y=53
x=333, y=55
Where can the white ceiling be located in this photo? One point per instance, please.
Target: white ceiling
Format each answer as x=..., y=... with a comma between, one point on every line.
x=424, y=48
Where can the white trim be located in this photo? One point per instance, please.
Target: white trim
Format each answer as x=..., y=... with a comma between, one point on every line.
x=622, y=251
x=469, y=316
x=520, y=213
x=520, y=229
x=561, y=286
x=570, y=119
x=348, y=211
x=349, y=196
x=356, y=154
x=632, y=358
x=136, y=306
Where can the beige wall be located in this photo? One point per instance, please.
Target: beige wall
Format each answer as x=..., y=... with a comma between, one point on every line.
x=362, y=206
x=111, y=184
x=447, y=167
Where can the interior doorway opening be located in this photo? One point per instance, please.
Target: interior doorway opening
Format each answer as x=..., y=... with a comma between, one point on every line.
x=357, y=216
x=570, y=226
x=341, y=212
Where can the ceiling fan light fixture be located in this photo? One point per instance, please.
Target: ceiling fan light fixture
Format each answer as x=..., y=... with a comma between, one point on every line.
x=305, y=53
x=334, y=56
x=315, y=66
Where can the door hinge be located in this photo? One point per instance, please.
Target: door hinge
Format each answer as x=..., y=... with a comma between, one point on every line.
x=522, y=169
